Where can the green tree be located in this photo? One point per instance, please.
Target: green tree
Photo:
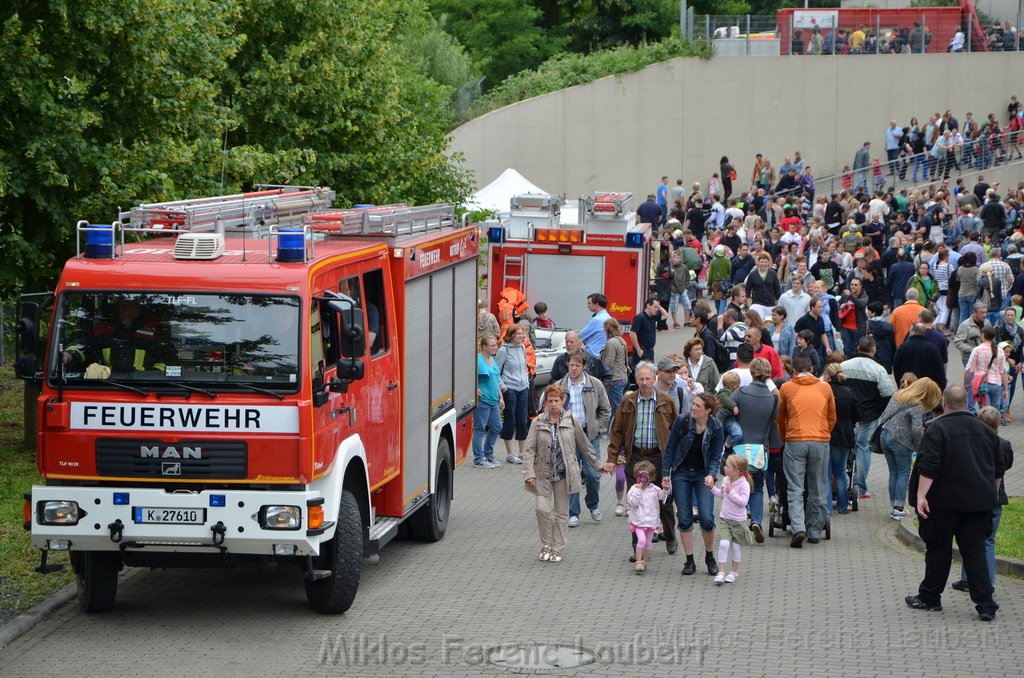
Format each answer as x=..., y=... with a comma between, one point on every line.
x=103, y=101
x=600, y=24
x=502, y=36
x=325, y=77
x=109, y=103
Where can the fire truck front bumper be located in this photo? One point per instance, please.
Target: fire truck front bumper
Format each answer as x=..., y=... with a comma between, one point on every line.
x=271, y=523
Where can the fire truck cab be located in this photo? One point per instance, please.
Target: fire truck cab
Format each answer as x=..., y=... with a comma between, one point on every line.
x=605, y=251
x=255, y=378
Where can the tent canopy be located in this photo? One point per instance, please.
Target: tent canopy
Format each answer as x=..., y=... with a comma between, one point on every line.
x=498, y=194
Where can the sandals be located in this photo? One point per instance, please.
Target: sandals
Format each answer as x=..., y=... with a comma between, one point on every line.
x=545, y=554
x=640, y=567
x=555, y=557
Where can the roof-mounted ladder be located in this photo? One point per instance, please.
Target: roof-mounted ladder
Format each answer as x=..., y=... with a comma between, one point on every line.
x=386, y=220
x=270, y=205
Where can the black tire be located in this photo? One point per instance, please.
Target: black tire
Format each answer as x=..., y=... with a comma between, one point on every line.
x=828, y=529
x=343, y=556
x=96, y=580
x=771, y=524
x=431, y=520
x=854, y=498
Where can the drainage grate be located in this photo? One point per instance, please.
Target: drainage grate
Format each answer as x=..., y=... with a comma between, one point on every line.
x=539, y=657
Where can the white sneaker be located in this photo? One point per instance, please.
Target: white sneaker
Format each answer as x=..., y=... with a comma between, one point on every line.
x=574, y=521
x=596, y=515
x=731, y=578
x=620, y=509
x=719, y=578
x=493, y=463
x=514, y=459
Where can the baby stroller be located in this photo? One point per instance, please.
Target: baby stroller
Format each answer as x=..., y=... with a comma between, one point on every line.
x=778, y=514
x=853, y=493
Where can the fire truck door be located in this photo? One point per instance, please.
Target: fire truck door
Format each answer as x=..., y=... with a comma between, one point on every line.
x=381, y=435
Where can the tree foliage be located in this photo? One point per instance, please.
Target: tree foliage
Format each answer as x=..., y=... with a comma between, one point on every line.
x=569, y=69
x=108, y=103
x=502, y=36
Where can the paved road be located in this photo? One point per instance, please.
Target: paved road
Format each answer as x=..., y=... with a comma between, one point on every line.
x=832, y=609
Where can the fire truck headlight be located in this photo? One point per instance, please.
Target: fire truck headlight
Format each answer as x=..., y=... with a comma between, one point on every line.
x=280, y=517
x=59, y=513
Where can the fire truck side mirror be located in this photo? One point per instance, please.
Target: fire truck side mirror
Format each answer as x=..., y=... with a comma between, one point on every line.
x=353, y=336
x=26, y=331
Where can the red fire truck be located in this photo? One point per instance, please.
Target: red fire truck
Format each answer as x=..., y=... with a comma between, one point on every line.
x=255, y=378
x=606, y=251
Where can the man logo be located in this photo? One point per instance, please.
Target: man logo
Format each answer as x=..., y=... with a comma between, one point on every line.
x=171, y=468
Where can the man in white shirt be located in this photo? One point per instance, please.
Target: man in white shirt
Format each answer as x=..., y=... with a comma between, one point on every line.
x=717, y=214
x=878, y=208
x=795, y=300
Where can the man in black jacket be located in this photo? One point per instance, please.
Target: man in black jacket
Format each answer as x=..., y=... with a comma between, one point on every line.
x=920, y=357
x=954, y=488
x=595, y=367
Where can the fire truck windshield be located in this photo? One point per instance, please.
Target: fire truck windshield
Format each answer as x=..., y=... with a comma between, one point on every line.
x=207, y=340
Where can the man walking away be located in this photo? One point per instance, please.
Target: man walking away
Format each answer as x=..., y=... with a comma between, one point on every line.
x=954, y=487
x=807, y=413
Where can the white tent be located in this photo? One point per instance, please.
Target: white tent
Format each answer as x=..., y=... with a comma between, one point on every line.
x=498, y=194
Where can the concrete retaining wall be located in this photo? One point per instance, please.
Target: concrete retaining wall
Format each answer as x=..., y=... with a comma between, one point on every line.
x=678, y=117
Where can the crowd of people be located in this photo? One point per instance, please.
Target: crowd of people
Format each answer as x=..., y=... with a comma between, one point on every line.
x=821, y=330
x=915, y=39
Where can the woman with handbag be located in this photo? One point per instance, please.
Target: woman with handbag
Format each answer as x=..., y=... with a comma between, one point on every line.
x=551, y=472
x=843, y=438
x=728, y=174
x=899, y=435
x=758, y=408
x=987, y=367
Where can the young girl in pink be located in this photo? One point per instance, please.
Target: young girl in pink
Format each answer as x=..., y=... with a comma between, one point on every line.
x=732, y=525
x=643, y=500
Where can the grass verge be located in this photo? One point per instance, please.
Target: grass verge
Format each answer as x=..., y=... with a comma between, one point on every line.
x=20, y=586
x=1010, y=537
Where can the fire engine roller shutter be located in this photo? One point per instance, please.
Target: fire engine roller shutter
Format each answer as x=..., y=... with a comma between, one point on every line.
x=442, y=341
x=416, y=379
x=465, y=336
x=563, y=282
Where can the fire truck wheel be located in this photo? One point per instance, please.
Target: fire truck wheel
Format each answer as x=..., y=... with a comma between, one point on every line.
x=431, y=520
x=343, y=556
x=96, y=579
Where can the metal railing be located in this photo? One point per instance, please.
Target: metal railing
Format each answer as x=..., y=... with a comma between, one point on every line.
x=740, y=35
x=976, y=155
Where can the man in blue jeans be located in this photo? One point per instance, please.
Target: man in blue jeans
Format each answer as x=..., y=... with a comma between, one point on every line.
x=872, y=386
x=588, y=402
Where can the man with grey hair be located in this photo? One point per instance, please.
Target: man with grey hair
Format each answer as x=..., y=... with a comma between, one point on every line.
x=905, y=315
x=595, y=367
x=640, y=432
x=954, y=487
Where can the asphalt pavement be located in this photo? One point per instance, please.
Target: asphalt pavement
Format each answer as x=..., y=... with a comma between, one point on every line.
x=480, y=603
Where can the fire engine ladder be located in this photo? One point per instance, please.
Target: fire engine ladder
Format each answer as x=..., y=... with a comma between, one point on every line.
x=384, y=220
x=514, y=270
x=270, y=205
